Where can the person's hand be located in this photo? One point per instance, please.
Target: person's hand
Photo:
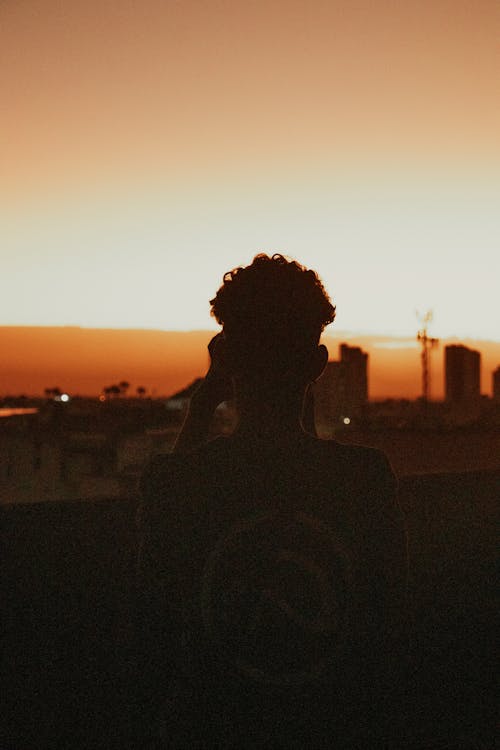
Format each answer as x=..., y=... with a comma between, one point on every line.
x=217, y=385
x=215, y=388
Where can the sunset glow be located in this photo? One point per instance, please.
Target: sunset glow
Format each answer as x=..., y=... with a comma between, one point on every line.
x=147, y=148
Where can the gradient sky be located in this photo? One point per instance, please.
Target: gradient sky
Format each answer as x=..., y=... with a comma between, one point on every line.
x=148, y=146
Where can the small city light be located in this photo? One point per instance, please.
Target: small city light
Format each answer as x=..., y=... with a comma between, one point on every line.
x=347, y=420
x=64, y=397
x=102, y=397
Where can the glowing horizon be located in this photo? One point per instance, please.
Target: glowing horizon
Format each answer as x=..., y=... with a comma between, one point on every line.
x=83, y=361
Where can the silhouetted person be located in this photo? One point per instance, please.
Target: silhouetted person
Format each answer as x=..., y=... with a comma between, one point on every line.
x=272, y=569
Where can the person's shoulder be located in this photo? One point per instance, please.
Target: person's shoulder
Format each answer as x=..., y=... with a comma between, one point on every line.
x=167, y=470
x=175, y=484
x=159, y=472
x=353, y=455
x=361, y=466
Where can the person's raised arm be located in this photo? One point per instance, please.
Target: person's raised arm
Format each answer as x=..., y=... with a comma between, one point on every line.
x=215, y=388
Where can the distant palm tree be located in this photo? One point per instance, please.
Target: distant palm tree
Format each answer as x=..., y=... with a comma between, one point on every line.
x=124, y=385
x=141, y=391
x=112, y=390
x=52, y=392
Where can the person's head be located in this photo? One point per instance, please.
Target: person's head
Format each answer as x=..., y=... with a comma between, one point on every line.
x=273, y=313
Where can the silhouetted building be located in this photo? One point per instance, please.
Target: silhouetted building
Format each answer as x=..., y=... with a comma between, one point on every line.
x=354, y=362
x=341, y=392
x=462, y=374
x=462, y=367
x=495, y=377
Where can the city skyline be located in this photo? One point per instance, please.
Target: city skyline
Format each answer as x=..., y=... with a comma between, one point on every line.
x=84, y=361
x=148, y=149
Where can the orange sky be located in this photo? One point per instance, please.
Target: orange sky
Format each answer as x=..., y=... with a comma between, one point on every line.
x=147, y=147
x=98, y=85
x=84, y=361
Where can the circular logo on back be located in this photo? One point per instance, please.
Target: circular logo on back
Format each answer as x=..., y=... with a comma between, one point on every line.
x=275, y=597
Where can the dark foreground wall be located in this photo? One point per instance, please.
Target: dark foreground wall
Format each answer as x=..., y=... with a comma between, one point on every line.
x=67, y=600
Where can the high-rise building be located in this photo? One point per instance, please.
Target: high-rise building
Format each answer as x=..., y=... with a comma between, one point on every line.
x=462, y=368
x=355, y=366
x=341, y=392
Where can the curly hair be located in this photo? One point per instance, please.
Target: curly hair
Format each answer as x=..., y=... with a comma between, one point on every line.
x=272, y=309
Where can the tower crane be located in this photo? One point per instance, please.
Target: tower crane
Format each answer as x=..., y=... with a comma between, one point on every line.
x=427, y=343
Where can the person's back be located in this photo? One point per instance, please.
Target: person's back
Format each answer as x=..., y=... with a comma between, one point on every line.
x=271, y=579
